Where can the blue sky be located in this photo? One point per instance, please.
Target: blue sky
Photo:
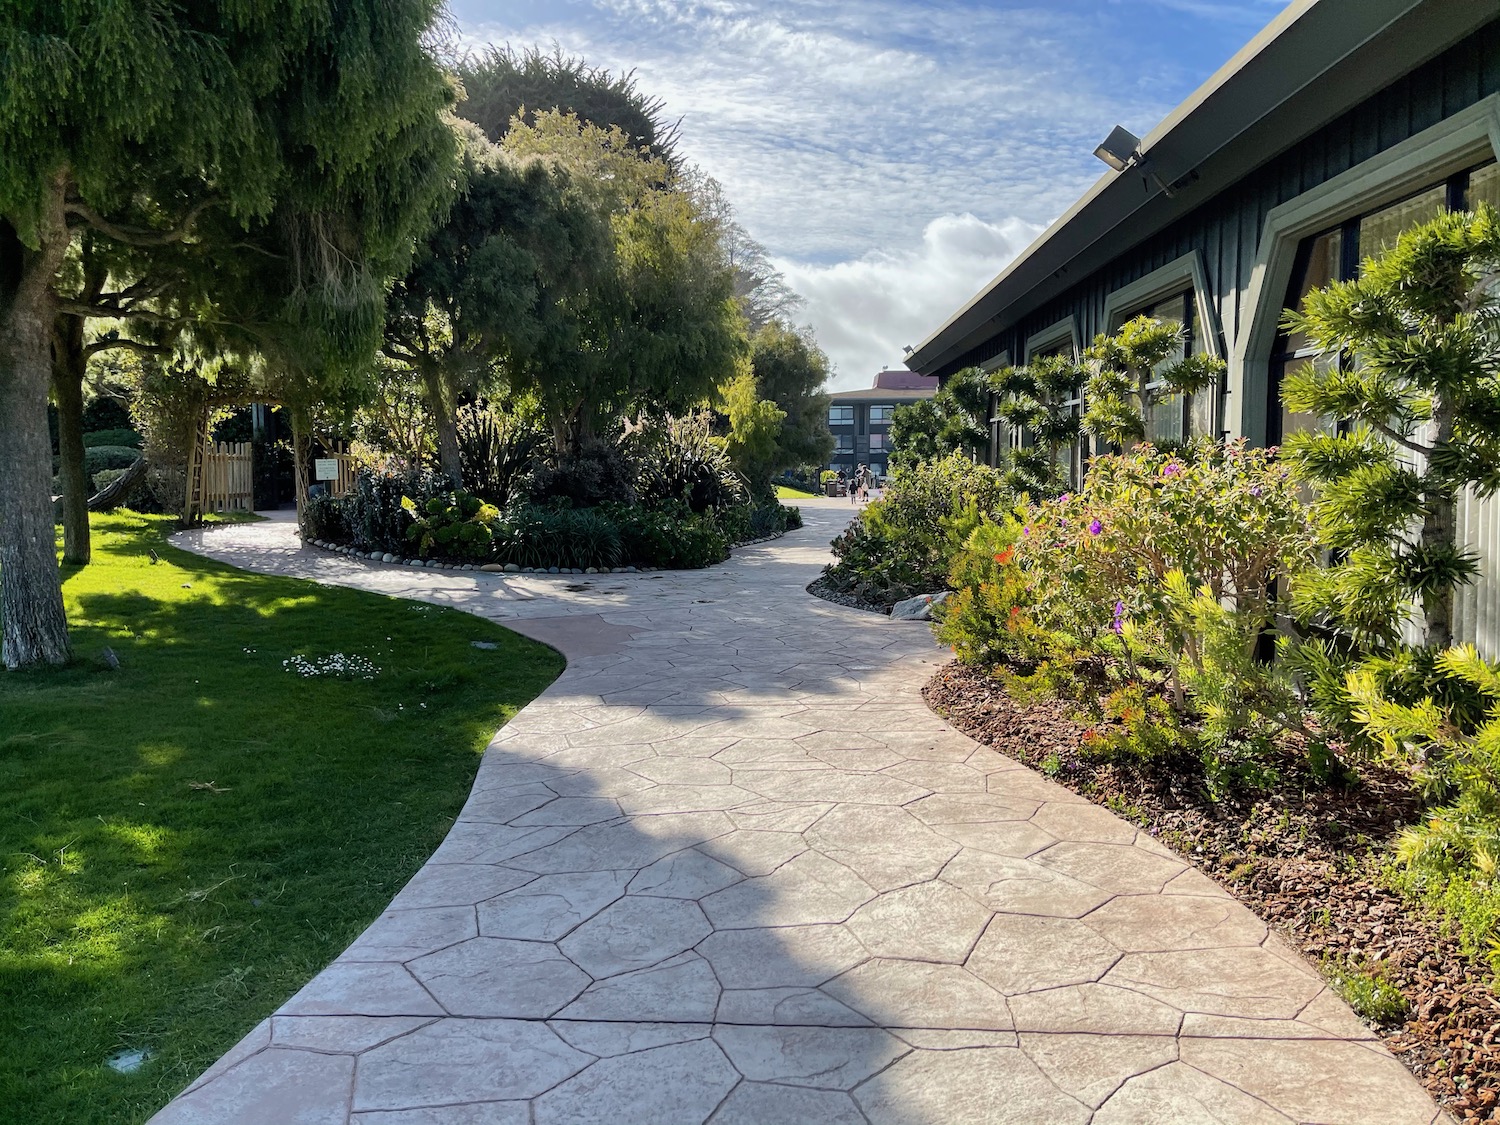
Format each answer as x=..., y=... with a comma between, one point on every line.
x=891, y=156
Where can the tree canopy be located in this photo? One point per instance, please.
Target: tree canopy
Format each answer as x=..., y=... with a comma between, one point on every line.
x=309, y=130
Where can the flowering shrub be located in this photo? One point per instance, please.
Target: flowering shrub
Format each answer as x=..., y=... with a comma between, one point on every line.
x=1158, y=574
x=904, y=543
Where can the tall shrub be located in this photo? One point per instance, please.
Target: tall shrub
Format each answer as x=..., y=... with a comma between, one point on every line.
x=1410, y=364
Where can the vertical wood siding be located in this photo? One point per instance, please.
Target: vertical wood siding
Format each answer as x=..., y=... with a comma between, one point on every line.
x=1226, y=229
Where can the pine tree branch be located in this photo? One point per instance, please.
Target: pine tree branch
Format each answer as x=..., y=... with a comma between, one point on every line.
x=140, y=347
x=140, y=236
x=1397, y=437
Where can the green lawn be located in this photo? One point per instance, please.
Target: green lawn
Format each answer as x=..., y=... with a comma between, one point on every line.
x=786, y=492
x=186, y=840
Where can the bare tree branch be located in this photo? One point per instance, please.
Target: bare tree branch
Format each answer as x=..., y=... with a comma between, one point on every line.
x=140, y=347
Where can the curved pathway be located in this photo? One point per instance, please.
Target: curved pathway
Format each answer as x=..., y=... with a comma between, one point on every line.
x=730, y=869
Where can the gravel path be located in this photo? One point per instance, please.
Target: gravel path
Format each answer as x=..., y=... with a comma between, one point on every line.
x=730, y=868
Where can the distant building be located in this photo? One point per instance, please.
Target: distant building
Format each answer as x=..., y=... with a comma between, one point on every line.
x=861, y=420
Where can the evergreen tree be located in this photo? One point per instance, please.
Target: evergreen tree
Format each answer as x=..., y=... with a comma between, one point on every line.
x=1131, y=372
x=1411, y=367
x=314, y=122
x=916, y=434
x=501, y=83
x=790, y=370
x=1033, y=400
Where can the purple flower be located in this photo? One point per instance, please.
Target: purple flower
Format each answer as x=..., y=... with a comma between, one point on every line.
x=1119, y=622
x=1171, y=469
x=1026, y=531
x=1065, y=497
x=1255, y=490
x=1095, y=527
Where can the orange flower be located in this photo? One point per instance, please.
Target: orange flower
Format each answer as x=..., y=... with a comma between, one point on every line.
x=1004, y=557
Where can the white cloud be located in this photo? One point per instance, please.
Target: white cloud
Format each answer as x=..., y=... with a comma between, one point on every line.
x=892, y=155
x=866, y=311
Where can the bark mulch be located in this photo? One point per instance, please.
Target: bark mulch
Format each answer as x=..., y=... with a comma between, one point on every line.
x=1307, y=858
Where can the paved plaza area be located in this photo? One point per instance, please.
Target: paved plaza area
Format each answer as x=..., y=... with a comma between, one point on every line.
x=730, y=869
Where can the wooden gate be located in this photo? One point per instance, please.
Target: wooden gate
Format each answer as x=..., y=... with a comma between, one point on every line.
x=228, y=478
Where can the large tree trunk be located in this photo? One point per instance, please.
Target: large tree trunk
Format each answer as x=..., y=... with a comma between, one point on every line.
x=68, y=364
x=301, y=449
x=35, y=629
x=444, y=417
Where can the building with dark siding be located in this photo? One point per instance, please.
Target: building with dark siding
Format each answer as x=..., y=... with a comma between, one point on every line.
x=861, y=420
x=1340, y=125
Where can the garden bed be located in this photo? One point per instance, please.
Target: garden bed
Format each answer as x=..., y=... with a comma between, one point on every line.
x=822, y=587
x=1307, y=858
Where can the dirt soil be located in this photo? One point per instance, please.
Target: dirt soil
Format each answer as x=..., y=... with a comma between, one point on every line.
x=1307, y=858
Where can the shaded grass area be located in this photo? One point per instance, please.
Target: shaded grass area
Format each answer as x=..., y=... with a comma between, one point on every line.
x=185, y=841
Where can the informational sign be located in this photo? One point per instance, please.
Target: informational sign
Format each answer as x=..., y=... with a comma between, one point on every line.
x=326, y=468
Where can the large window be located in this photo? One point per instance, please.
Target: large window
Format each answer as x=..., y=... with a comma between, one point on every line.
x=841, y=415
x=877, y=442
x=843, y=443
x=1178, y=417
x=1336, y=254
x=881, y=415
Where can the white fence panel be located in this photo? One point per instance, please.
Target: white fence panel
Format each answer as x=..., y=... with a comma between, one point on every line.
x=1476, y=609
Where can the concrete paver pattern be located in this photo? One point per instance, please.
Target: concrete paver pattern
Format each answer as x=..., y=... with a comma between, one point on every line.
x=730, y=869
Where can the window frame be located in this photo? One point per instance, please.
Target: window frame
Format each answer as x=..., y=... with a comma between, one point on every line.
x=1283, y=357
x=841, y=408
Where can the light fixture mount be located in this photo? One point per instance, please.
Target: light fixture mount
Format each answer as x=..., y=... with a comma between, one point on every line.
x=1120, y=150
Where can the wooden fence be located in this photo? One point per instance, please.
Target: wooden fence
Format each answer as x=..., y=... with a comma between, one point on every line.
x=345, y=470
x=228, y=477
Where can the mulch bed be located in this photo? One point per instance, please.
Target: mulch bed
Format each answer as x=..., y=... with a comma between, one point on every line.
x=821, y=587
x=1306, y=858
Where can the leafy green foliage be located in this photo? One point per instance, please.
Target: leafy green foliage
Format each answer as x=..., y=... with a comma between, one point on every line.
x=1034, y=400
x=903, y=543
x=790, y=370
x=671, y=536
x=955, y=420
x=373, y=514
x=498, y=451
x=597, y=472
x=501, y=83
x=1155, y=577
x=679, y=460
x=1134, y=370
x=124, y=436
x=1455, y=852
x=1419, y=401
x=457, y=525
x=544, y=537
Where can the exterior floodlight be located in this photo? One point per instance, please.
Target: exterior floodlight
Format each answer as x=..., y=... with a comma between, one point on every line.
x=908, y=349
x=1120, y=149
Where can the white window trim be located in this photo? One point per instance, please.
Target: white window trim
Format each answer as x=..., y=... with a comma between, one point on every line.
x=1469, y=137
x=1053, y=334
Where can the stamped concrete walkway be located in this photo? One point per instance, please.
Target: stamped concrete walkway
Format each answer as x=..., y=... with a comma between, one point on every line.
x=730, y=869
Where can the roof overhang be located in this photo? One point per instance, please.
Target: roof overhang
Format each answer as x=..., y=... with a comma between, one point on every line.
x=1315, y=61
